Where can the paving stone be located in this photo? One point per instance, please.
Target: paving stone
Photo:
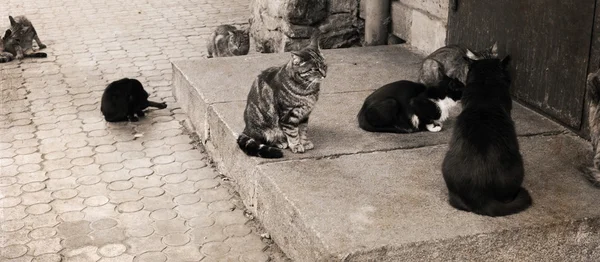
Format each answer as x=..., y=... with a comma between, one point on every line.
x=38, y=209
x=10, y=202
x=103, y=224
x=188, y=252
x=176, y=239
x=13, y=251
x=44, y=246
x=42, y=233
x=194, y=164
x=112, y=250
x=48, y=258
x=59, y=173
x=151, y=257
x=72, y=216
x=163, y=214
x=95, y=201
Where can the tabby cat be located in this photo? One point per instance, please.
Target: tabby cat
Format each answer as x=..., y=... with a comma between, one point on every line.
x=280, y=102
x=483, y=168
x=125, y=98
x=227, y=40
x=453, y=61
x=22, y=29
x=406, y=107
x=593, y=88
x=7, y=40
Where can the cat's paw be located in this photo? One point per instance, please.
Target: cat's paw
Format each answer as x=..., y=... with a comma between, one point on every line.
x=163, y=105
x=299, y=148
x=434, y=127
x=20, y=56
x=42, y=46
x=140, y=113
x=282, y=145
x=308, y=145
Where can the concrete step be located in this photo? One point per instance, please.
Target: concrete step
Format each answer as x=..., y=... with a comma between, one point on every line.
x=362, y=196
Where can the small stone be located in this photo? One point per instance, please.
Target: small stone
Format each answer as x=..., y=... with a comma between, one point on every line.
x=152, y=192
x=12, y=225
x=120, y=185
x=216, y=249
x=151, y=257
x=59, y=173
x=112, y=250
x=105, y=223
x=13, y=251
x=96, y=201
x=65, y=193
x=176, y=239
x=42, y=232
x=163, y=214
x=130, y=207
x=9, y=202
x=38, y=209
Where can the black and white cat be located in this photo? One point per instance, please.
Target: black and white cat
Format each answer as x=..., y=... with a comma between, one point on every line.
x=483, y=168
x=406, y=107
x=124, y=99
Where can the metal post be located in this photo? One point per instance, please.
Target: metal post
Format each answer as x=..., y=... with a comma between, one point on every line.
x=377, y=18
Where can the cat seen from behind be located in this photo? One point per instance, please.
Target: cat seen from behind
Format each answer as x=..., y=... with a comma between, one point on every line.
x=280, y=102
x=592, y=172
x=124, y=99
x=452, y=61
x=406, y=107
x=23, y=29
x=227, y=40
x=483, y=168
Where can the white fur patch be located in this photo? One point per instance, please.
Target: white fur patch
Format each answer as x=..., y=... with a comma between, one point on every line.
x=415, y=121
x=445, y=105
x=433, y=128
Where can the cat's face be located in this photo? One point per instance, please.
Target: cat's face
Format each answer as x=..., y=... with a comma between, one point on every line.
x=17, y=28
x=238, y=39
x=9, y=41
x=309, y=65
x=489, y=53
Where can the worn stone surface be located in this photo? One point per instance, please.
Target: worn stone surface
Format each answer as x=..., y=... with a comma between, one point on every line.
x=423, y=24
x=75, y=188
x=380, y=197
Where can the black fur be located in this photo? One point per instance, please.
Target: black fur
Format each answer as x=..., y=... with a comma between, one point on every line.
x=391, y=107
x=124, y=99
x=483, y=168
x=253, y=148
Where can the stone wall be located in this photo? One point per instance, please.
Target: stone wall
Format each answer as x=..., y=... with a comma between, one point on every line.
x=421, y=23
x=285, y=25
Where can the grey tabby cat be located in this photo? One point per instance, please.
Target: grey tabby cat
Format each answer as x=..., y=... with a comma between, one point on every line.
x=227, y=40
x=452, y=61
x=7, y=40
x=592, y=173
x=280, y=102
x=22, y=29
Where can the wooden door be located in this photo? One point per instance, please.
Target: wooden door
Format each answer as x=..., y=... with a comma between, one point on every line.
x=549, y=41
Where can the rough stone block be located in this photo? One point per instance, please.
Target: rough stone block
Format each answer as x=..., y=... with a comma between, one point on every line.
x=427, y=34
x=305, y=12
x=401, y=20
x=438, y=8
x=343, y=6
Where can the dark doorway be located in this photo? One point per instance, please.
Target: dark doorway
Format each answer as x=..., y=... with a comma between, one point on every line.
x=549, y=41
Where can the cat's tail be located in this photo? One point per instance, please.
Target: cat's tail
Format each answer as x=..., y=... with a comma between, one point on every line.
x=496, y=208
x=38, y=55
x=253, y=148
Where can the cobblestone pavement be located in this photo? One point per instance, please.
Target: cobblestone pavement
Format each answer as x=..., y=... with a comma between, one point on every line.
x=75, y=188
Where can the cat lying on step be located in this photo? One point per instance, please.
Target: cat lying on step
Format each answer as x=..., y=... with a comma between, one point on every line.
x=280, y=102
x=10, y=47
x=22, y=30
x=406, y=107
x=452, y=61
x=483, y=168
x=124, y=99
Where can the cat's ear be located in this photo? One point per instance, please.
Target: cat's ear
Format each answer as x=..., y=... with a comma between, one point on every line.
x=494, y=49
x=505, y=61
x=7, y=34
x=296, y=59
x=471, y=55
x=12, y=20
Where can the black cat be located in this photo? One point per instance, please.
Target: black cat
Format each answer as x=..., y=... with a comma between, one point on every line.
x=483, y=168
x=125, y=98
x=406, y=107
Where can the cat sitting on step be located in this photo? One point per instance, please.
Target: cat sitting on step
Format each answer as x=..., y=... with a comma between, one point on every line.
x=406, y=107
x=452, y=61
x=227, y=40
x=592, y=173
x=280, y=102
x=124, y=99
x=483, y=168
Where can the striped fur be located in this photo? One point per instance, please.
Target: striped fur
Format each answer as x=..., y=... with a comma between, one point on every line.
x=227, y=40
x=17, y=41
x=592, y=172
x=280, y=102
